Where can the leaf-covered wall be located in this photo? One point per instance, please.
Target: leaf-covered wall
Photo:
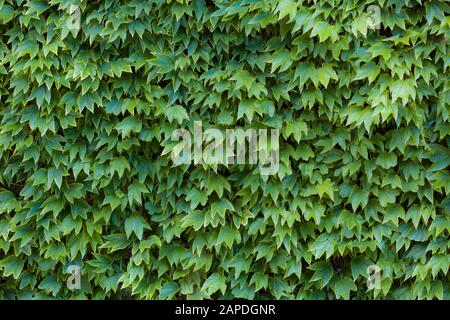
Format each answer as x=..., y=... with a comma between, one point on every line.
x=86, y=178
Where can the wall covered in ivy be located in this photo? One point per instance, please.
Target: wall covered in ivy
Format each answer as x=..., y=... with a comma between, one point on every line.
x=91, y=92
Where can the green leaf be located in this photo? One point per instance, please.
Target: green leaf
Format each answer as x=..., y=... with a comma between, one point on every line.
x=243, y=79
x=135, y=191
x=169, y=290
x=11, y=266
x=359, y=266
x=228, y=236
x=119, y=165
x=403, y=89
x=247, y=108
x=135, y=224
x=6, y=13
x=326, y=187
x=50, y=284
x=129, y=125
x=177, y=113
x=343, y=287
x=214, y=283
x=281, y=60
x=324, y=30
x=323, y=273
x=368, y=71
x=260, y=280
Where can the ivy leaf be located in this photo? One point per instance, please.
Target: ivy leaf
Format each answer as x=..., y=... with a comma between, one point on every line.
x=135, y=190
x=247, y=108
x=404, y=89
x=135, y=224
x=243, y=79
x=177, y=113
x=281, y=60
x=228, y=236
x=12, y=266
x=119, y=165
x=359, y=266
x=326, y=187
x=214, y=283
x=129, y=125
x=323, y=29
x=50, y=284
x=343, y=287
x=169, y=290
x=368, y=71
x=6, y=13
x=260, y=280
x=323, y=273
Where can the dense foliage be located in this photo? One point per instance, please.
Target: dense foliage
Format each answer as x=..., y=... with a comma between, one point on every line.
x=86, y=178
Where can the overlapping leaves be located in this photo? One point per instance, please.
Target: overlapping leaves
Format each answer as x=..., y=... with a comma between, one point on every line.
x=85, y=115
